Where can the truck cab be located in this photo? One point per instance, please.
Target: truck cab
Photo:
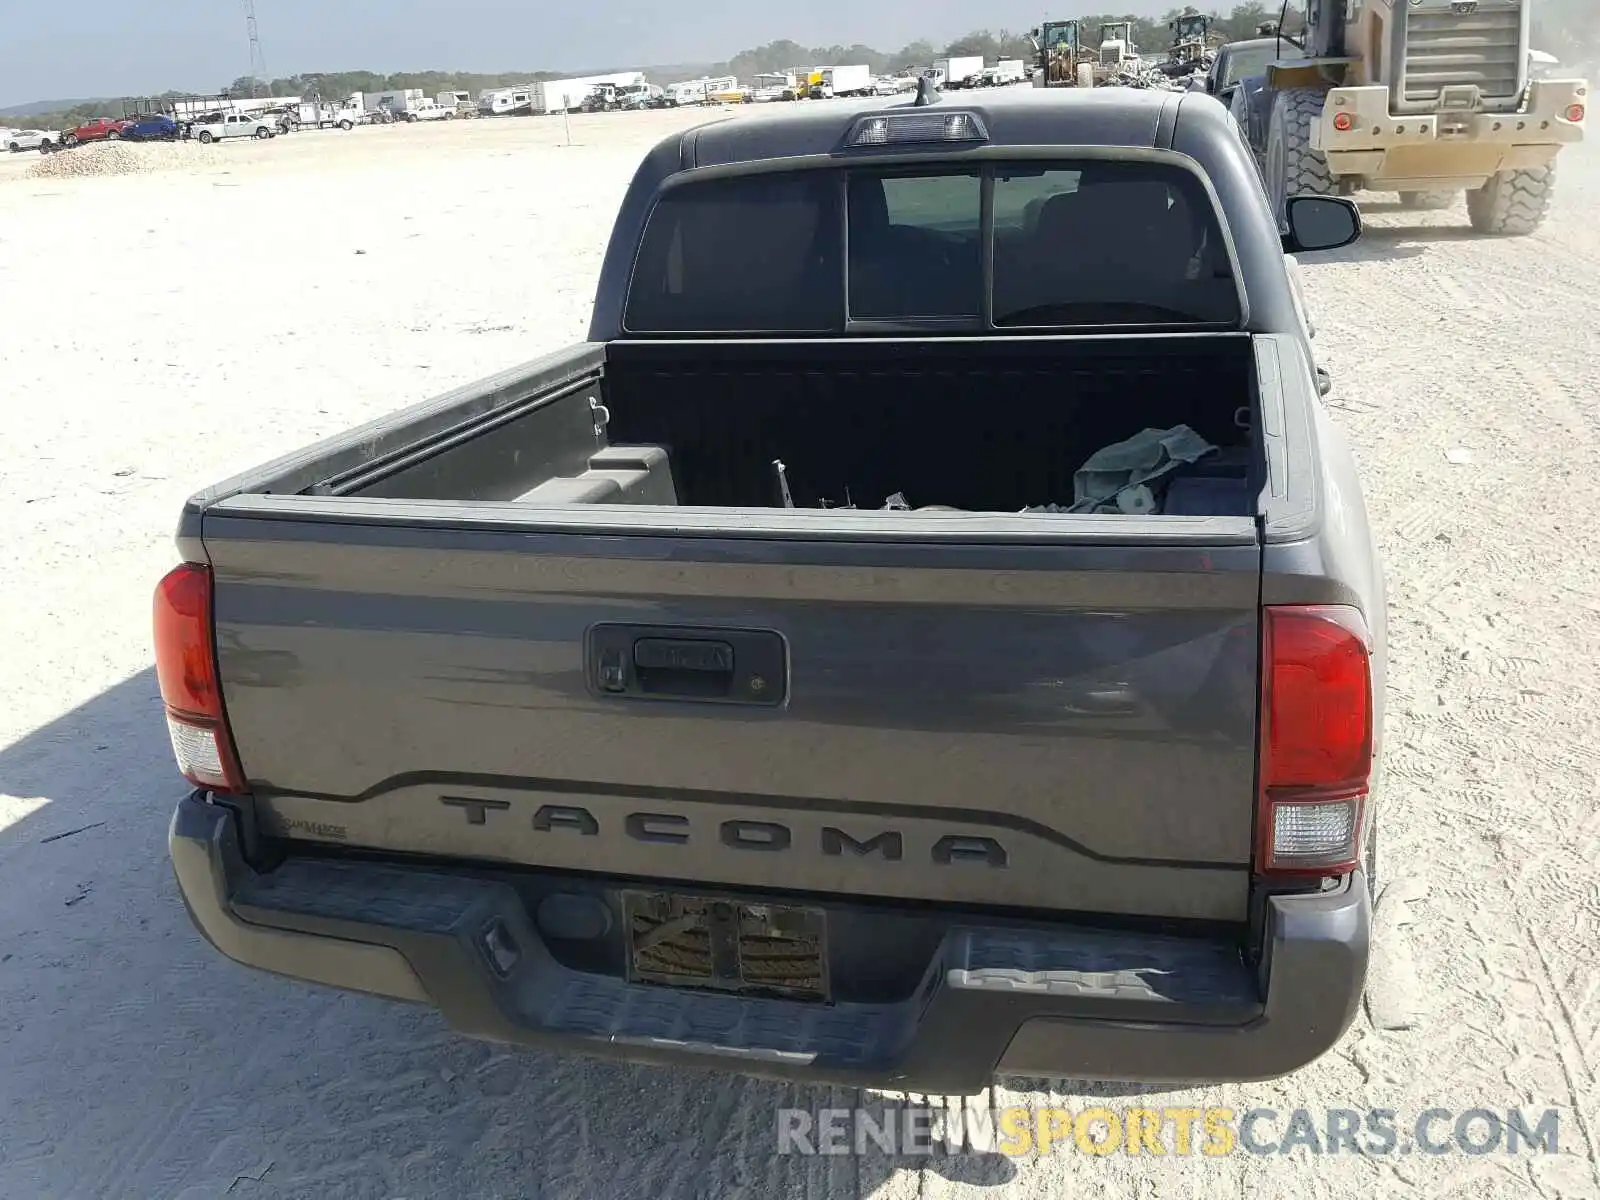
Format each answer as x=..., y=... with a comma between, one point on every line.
x=97, y=129
x=221, y=126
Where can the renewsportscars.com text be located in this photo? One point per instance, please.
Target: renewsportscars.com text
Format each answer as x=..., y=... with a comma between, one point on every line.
x=1177, y=1132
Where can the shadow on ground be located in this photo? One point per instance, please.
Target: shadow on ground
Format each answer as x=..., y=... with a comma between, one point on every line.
x=143, y=1063
x=1388, y=240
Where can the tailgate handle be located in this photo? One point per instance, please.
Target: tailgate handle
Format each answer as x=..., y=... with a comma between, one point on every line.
x=718, y=666
x=681, y=654
x=683, y=667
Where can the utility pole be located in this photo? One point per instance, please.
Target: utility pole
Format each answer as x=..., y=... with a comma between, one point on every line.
x=258, y=61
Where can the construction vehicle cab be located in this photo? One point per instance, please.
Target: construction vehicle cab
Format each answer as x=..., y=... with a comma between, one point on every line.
x=1188, y=52
x=1116, y=44
x=1060, y=57
x=1426, y=98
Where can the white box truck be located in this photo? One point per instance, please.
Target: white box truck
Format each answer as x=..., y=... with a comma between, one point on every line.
x=960, y=72
x=568, y=95
x=853, y=80
x=1010, y=70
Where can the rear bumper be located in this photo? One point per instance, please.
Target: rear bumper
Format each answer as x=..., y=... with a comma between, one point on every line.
x=1037, y=1001
x=1437, y=147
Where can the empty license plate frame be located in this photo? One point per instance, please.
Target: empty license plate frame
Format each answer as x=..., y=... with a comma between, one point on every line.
x=748, y=948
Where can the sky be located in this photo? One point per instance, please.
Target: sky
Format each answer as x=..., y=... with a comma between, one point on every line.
x=200, y=45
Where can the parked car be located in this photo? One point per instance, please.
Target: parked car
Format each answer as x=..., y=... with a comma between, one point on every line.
x=151, y=127
x=516, y=701
x=213, y=127
x=427, y=110
x=42, y=140
x=99, y=129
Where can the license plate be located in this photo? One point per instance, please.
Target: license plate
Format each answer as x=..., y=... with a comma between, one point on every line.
x=725, y=945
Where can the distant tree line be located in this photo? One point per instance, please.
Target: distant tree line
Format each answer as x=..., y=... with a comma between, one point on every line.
x=1570, y=29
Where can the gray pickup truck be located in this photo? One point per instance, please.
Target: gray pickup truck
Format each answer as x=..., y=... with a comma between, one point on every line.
x=929, y=630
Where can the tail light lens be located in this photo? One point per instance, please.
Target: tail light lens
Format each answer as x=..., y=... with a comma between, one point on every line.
x=186, y=666
x=1316, y=739
x=1344, y=122
x=1575, y=114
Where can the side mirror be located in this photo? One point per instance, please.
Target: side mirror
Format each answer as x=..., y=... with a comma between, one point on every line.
x=1320, y=223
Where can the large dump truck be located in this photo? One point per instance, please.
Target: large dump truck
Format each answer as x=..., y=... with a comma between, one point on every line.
x=1427, y=98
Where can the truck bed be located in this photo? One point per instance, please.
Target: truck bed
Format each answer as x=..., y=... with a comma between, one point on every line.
x=415, y=648
x=981, y=427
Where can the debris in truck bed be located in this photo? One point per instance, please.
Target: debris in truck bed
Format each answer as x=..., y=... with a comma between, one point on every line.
x=1117, y=478
x=785, y=499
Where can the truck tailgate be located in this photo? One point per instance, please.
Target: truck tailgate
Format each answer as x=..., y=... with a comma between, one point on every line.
x=1049, y=726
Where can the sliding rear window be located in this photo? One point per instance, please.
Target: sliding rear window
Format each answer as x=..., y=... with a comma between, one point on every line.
x=1088, y=244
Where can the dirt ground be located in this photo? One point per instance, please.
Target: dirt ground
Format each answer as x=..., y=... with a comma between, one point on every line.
x=164, y=329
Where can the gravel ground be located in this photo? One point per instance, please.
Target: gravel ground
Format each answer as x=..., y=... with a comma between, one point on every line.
x=165, y=328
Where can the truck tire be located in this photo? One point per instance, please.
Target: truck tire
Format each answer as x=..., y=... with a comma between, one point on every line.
x=1428, y=201
x=15, y=148
x=205, y=138
x=263, y=134
x=347, y=125
x=1293, y=168
x=1513, y=203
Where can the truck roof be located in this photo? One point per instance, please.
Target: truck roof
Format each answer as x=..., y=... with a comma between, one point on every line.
x=1014, y=117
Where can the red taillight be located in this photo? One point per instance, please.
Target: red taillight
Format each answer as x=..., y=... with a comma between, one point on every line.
x=186, y=667
x=1343, y=122
x=1316, y=739
x=1575, y=114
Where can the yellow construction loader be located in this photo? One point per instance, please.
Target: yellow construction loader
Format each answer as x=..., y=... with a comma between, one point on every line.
x=1060, y=58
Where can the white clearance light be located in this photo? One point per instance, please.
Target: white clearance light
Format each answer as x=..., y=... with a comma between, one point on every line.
x=896, y=129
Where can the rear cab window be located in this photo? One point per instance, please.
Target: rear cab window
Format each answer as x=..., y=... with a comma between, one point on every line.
x=1107, y=242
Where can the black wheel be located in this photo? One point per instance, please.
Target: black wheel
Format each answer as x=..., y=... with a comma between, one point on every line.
x=1293, y=168
x=113, y=136
x=205, y=138
x=15, y=148
x=263, y=134
x=347, y=125
x=1513, y=203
